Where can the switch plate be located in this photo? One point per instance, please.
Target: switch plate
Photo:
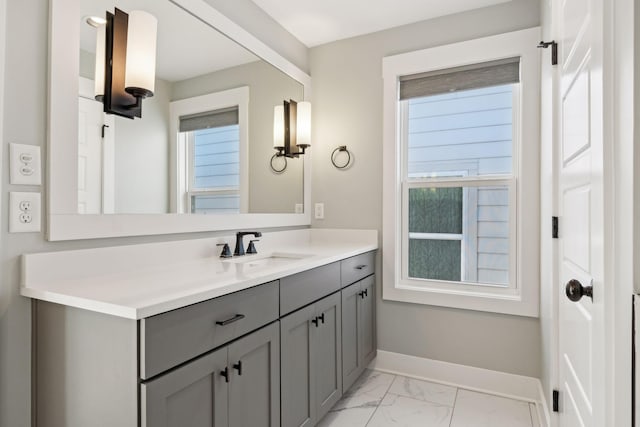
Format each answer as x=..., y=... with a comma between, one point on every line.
x=25, y=164
x=319, y=210
x=25, y=213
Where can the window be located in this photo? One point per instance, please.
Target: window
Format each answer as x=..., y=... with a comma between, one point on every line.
x=211, y=153
x=213, y=161
x=456, y=226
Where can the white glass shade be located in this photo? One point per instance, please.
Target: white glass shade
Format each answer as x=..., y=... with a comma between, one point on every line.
x=303, y=125
x=141, y=51
x=98, y=80
x=278, y=126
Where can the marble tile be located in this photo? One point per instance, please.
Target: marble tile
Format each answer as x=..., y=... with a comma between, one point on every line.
x=423, y=390
x=348, y=417
x=367, y=391
x=473, y=409
x=404, y=411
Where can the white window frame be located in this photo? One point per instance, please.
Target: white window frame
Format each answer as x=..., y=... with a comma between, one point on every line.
x=521, y=297
x=239, y=97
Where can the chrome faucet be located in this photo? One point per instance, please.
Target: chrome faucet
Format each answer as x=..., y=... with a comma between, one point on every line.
x=239, y=244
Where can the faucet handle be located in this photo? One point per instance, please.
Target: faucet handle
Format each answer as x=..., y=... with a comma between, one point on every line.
x=226, y=250
x=252, y=248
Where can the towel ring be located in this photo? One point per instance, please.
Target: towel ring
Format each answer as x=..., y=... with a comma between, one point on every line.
x=342, y=148
x=276, y=170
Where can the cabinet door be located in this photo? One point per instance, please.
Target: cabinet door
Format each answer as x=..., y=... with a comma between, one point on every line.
x=367, y=315
x=327, y=348
x=194, y=395
x=351, y=366
x=254, y=385
x=296, y=362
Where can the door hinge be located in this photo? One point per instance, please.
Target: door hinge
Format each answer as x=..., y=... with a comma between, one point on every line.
x=554, y=227
x=556, y=398
x=554, y=50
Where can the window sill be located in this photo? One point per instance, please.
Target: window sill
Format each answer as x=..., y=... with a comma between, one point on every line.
x=517, y=305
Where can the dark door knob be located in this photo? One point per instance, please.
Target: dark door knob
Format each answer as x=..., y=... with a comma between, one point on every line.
x=575, y=291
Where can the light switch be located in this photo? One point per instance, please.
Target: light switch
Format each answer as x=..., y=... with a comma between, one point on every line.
x=25, y=164
x=25, y=213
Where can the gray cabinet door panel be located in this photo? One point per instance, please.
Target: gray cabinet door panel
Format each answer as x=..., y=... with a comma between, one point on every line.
x=254, y=386
x=296, y=362
x=304, y=288
x=194, y=395
x=351, y=362
x=174, y=337
x=367, y=316
x=327, y=347
x=357, y=267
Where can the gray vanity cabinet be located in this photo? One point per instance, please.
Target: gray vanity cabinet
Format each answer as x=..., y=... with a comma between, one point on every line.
x=194, y=395
x=358, y=329
x=236, y=386
x=311, y=376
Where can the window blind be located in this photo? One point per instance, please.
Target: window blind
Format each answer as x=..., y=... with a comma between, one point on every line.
x=209, y=119
x=475, y=76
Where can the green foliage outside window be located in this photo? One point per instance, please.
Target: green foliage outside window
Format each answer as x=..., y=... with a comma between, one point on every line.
x=435, y=210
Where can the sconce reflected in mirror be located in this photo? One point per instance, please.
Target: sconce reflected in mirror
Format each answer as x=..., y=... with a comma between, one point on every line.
x=291, y=132
x=125, y=61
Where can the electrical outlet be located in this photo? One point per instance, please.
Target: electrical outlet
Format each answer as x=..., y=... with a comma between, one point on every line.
x=24, y=164
x=25, y=218
x=25, y=213
x=299, y=208
x=319, y=210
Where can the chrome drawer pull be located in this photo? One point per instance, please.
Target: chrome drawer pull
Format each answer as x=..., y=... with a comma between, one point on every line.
x=360, y=267
x=231, y=320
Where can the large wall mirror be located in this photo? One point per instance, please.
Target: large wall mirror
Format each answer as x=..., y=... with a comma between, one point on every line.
x=198, y=159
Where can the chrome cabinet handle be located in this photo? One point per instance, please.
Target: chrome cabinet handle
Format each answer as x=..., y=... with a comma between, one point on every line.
x=231, y=320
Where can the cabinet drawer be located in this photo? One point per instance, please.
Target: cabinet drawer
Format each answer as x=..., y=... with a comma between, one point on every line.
x=303, y=288
x=357, y=267
x=171, y=338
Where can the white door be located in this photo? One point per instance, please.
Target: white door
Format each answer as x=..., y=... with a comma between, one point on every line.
x=580, y=164
x=90, y=124
x=96, y=166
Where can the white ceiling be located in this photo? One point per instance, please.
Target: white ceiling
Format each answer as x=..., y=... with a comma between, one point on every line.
x=186, y=48
x=316, y=22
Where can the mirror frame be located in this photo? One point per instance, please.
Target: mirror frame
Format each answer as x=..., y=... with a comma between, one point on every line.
x=64, y=223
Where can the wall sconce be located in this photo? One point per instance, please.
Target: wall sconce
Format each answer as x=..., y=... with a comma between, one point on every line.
x=126, y=62
x=291, y=131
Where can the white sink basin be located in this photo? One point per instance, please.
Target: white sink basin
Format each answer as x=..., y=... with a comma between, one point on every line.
x=267, y=260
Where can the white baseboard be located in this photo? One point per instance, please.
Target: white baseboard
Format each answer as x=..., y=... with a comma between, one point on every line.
x=484, y=380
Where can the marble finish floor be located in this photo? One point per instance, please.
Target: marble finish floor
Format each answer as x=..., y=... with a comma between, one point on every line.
x=379, y=399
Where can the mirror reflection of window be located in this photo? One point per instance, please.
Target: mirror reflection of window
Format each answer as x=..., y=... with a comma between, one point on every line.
x=213, y=161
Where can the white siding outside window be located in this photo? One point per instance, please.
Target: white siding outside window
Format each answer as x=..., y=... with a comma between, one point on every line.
x=211, y=146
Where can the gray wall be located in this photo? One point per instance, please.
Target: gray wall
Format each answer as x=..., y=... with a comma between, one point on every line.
x=25, y=122
x=142, y=156
x=347, y=109
x=268, y=192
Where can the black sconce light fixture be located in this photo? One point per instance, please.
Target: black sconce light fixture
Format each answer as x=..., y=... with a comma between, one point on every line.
x=126, y=62
x=291, y=131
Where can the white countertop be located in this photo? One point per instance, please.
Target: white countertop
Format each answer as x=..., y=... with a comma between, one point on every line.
x=139, y=281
